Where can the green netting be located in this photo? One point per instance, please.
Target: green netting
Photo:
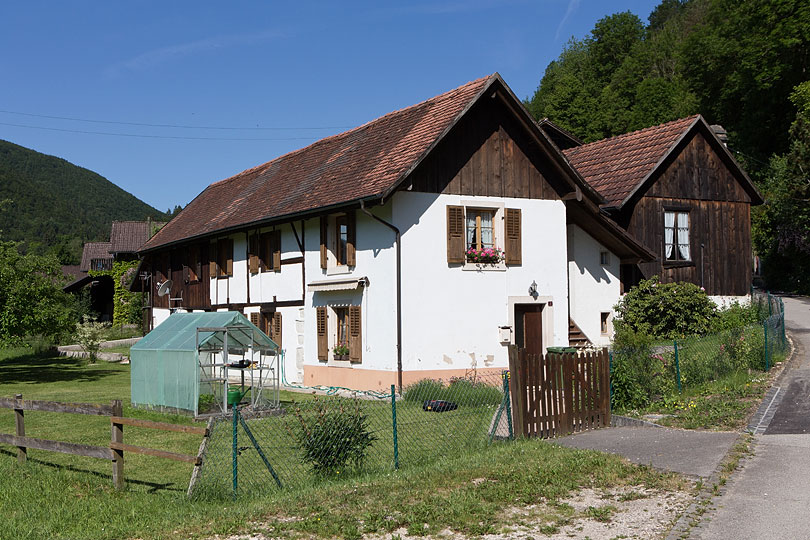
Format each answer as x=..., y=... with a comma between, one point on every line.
x=165, y=368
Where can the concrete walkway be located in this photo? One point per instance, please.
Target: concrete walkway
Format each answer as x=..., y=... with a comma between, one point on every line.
x=78, y=352
x=770, y=496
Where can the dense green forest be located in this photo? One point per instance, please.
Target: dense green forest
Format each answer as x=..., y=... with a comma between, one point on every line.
x=741, y=64
x=52, y=206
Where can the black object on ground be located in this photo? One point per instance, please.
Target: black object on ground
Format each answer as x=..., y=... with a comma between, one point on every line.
x=438, y=405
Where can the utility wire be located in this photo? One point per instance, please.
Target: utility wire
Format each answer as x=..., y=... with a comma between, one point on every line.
x=177, y=137
x=179, y=126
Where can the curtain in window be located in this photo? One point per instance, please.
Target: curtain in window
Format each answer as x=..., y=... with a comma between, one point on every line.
x=486, y=229
x=471, y=236
x=669, y=232
x=683, y=235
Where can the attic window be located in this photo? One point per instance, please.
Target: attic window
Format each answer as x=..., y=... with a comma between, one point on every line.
x=676, y=236
x=604, y=258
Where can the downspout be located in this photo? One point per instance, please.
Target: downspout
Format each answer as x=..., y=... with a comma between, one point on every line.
x=399, y=290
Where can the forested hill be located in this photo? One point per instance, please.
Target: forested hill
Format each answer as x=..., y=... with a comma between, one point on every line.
x=53, y=205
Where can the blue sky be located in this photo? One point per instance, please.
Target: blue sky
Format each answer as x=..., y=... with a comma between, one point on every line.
x=284, y=73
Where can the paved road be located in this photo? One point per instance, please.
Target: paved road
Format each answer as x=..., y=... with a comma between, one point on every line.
x=770, y=496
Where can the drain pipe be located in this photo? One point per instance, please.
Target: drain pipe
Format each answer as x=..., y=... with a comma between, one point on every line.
x=399, y=290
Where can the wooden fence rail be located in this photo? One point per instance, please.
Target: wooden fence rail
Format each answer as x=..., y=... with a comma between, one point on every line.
x=114, y=452
x=558, y=394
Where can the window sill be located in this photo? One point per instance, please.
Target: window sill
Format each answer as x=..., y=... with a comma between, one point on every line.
x=484, y=267
x=335, y=270
x=340, y=363
x=678, y=264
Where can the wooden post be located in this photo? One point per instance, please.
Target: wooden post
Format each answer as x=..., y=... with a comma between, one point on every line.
x=517, y=392
x=197, y=472
x=19, y=424
x=117, y=436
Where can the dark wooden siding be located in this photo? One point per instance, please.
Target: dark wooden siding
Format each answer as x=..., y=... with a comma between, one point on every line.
x=697, y=172
x=170, y=264
x=489, y=153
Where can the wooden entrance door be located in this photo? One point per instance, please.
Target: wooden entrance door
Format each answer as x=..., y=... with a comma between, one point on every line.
x=529, y=328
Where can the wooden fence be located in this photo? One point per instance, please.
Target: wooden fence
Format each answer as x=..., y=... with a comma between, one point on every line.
x=558, y=394
x=114, y=452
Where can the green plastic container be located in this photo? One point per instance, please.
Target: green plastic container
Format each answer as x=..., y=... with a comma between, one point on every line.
x=235, y=396
x=561, y=350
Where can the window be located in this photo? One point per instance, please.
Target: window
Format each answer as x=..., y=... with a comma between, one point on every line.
x=338, y=241
x=480, y=231
x=224, y=260
x=339, y=326
x=265, y=252
x=470, y=228
x=605, y=318
x=676, y=236
x=604, y=258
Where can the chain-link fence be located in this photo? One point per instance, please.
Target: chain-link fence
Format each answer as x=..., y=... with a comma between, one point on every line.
x=316, y=438
x=639, y=373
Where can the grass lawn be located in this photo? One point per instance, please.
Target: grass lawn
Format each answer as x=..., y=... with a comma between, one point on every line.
x=63, y=496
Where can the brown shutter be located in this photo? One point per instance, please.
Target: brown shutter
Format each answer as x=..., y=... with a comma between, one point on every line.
x=351, y=239
x=323, y=338
x=275, y=328
x=276, y=243
x=324, y=232
x=212, y=261
x=254, y=319
x=512, y=246
x=197, y=260
x=455, y=234
x=355, y=335
x=229, y=265
x=253, y=253
x=186, y=273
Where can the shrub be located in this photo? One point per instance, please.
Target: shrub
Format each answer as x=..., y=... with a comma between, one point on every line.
x=461, y=390
x=736, y=315
x=639, y=373
x=333, y=437
x=90, y=334
x=666, y=311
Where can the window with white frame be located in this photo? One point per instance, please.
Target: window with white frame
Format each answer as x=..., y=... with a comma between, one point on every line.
x=676, y=235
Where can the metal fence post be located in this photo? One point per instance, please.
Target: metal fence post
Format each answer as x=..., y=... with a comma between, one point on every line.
x=394, y=423
x=767, y=352
x=235, y=449
x=677, y=366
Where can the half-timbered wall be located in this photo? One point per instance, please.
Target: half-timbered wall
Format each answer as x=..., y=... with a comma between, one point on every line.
x=719, y=223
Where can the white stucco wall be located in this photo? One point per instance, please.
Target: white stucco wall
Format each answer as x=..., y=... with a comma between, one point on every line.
x=286, y=284
x=594, y=287
x=450, y=314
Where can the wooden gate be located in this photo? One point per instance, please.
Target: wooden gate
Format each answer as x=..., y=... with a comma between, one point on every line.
x=558, y=394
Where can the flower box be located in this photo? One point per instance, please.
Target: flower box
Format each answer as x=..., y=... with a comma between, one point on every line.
x=491, y=255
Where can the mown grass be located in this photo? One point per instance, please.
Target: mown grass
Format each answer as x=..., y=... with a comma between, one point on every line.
x=63, y=496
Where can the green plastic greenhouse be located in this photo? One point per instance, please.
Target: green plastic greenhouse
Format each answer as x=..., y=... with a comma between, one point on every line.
x=189, y=362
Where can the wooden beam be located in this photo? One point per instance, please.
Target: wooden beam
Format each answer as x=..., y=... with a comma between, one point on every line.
x=86, y=450
x=96, y=409
x=19, y=426
x=117, y=436
x=158, y=425
x=194, y=460
x=196, y=473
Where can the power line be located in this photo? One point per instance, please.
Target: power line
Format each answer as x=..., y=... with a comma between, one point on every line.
x=179, y=126
x=177, y=137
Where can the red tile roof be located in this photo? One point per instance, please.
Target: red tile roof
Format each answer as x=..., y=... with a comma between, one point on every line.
x=94, y=250
x=615, y=166
x=361, y=163
x=129, y=236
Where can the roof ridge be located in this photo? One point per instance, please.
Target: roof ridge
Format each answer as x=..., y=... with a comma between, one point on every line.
x=629, y=133
x=267, y=164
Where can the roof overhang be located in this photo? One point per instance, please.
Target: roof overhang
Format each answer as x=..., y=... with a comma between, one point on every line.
x=608, y=233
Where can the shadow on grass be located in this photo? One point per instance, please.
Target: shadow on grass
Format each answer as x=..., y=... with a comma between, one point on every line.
x=153, y=486
x=45, y=368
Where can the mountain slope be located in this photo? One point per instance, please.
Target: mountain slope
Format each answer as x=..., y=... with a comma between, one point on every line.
x=45, y=200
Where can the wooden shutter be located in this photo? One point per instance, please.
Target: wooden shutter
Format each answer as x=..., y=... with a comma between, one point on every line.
x=355, y=335
x=276, y=250
x=253, y=253
x=324, y=233
x=455, y=234
x=323, y=338
x=213, y=268
x=351, y=239
x=186, y=274
x=229, y=254
x=512, y=246
x=275, y=328
x=254, y=319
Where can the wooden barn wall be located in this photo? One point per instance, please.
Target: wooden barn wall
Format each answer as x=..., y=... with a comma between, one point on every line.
x=697, y=172
x=722, y=227
x=170, y=265
x=489, y=153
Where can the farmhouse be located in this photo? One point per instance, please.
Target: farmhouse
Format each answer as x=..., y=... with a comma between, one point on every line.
x=677, y=189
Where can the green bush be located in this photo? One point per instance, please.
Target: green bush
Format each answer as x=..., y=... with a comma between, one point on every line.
x=666, y=311
x=639, y=372
x=736, y=315
x=460, y=390
x=336, y=435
